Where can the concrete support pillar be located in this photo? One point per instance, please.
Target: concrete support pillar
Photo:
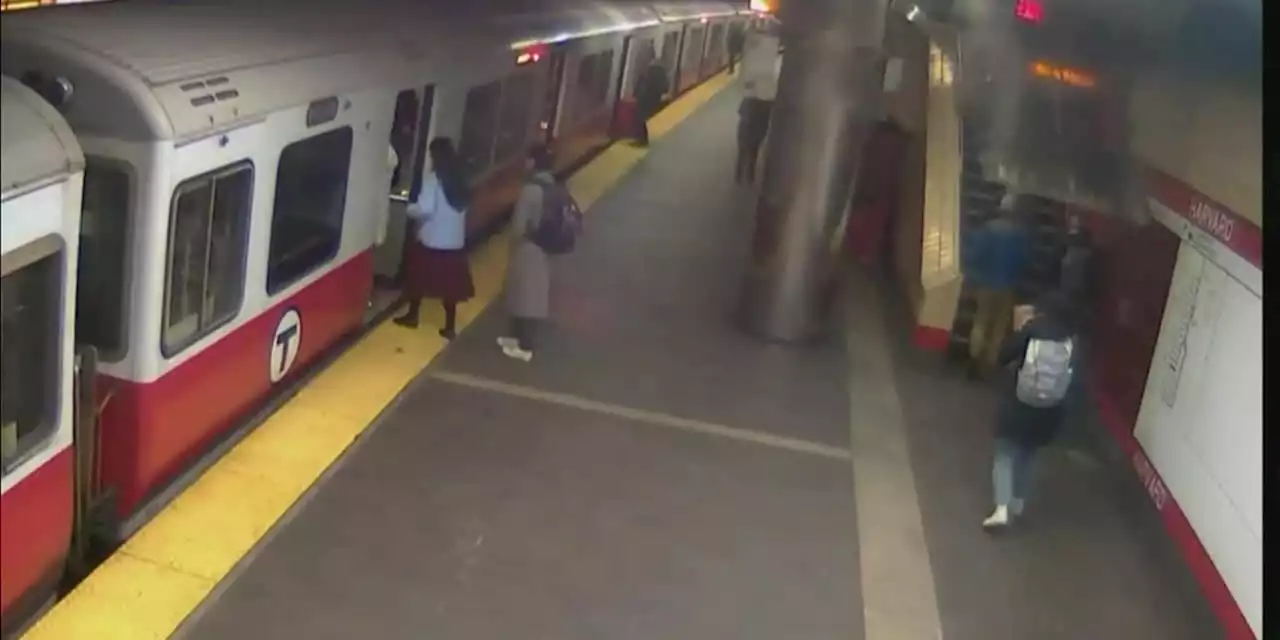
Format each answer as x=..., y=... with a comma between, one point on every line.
x=828, y=96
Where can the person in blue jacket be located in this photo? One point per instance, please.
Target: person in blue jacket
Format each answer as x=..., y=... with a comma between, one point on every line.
x=997, y=260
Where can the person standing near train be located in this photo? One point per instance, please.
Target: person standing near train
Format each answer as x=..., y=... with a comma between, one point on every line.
x=545, y=223
x=436, y=262
x=650, y=89
x=753, y=126
x=737, y=42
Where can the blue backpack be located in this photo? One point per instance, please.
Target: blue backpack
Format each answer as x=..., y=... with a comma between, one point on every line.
x=561, y=221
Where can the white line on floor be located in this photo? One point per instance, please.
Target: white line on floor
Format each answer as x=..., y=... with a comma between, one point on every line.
x=899, y=596
x=646, y=417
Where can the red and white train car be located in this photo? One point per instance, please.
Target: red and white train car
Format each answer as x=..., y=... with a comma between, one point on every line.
x=41, y=171
x=239, y=217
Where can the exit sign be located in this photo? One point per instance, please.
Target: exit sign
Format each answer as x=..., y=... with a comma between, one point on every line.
x=1029, y=10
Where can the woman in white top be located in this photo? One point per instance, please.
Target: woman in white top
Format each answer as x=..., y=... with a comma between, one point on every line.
x=436, y=261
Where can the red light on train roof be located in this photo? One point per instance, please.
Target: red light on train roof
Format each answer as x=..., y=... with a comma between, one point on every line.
x=531, y=55
x=1029, y=10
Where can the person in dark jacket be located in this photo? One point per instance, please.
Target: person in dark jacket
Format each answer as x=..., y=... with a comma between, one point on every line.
x=1076, y=270
x=998, y=256
x=650, y=90
x=737, y=40
x=753, y=126
x=1021, y=429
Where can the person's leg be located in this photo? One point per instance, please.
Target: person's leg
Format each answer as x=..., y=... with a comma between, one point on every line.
x=1000, y=321
x=979, y=331
x=410, y=316
x=1002, y=483
x=509, y=339
x=525, y=337
x=753, y=155
x=520, y=347
x=740, y=166
x=1020, y=458
x=642, y=127
x=449, y=331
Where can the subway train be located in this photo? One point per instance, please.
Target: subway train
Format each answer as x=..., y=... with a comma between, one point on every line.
x=198, y=207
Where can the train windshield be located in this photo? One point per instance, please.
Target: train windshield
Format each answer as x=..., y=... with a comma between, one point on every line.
x=30, y=319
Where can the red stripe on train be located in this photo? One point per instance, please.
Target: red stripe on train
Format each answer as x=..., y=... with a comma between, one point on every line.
x=35, y=527
x=152, y=431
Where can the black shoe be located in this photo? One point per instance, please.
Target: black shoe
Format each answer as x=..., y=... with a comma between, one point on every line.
x=406, y=321
x=448, y=334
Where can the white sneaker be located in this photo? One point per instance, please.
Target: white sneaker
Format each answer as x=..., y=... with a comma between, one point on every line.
x=998, y=518
x=516, y=353
x=507, y=342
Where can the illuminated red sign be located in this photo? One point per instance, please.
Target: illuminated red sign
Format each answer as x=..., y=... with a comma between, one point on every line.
x=1029, y=10
x=531, y=55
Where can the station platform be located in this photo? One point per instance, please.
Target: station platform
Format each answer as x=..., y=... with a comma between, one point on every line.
x=656, y=473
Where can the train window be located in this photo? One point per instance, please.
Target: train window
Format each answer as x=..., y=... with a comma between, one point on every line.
x=593, y=80
x=311, y=196
x=644, y=56
x=479, y=121
x=101, y=276
x=208, y=237
x=30, y=323
x=668, y=55
x=513, y=118
x=692, y=50
x=404, y=129
x=604, y=71
x=716, y=46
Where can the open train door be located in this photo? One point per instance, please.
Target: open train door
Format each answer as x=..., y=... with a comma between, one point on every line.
x=410, y=130
x=623, y=113
x=551, y=101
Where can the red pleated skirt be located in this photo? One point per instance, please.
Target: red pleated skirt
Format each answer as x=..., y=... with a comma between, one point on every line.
x=442, y=274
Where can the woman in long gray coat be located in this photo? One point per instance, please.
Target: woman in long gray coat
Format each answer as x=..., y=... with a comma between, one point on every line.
x=528, y=282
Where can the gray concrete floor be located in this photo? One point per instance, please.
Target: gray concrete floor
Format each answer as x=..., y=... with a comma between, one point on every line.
x=656, y=474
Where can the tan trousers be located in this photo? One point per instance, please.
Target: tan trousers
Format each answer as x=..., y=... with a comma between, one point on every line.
x=991, y=323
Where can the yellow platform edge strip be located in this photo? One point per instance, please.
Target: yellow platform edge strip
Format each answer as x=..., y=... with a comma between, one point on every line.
x=166, y=570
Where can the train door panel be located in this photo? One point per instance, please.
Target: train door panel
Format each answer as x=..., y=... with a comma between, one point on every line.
x=617, y=121
x=549, y=121
x=679, y=51
x=410, y=129
x=691, y=56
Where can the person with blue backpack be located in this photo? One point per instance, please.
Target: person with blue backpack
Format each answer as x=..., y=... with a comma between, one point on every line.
x=546, y=223
x=1041, y=356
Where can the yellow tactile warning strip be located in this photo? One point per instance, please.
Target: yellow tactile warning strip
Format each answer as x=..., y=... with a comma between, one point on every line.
x=165, y=571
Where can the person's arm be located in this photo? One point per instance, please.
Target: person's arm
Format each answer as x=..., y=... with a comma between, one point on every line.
x=1014, y=347
x=425, y=206
x=528, y=208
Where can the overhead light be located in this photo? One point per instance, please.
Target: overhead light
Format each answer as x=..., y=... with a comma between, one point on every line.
x=914, y=13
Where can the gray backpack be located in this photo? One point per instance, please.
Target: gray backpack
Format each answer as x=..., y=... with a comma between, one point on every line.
x=1046, y=372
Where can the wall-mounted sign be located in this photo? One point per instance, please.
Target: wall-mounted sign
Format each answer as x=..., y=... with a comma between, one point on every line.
x=1029, y=10
x=1065, y=75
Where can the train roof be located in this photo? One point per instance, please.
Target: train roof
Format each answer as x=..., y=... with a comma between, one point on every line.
x=177, y=70
x=37, y=145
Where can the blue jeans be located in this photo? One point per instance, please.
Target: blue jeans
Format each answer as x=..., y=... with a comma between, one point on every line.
x=1011, y=474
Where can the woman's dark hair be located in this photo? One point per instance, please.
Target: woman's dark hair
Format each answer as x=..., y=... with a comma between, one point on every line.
x=447, y=166
x=541, y=157
x=1056, y=308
